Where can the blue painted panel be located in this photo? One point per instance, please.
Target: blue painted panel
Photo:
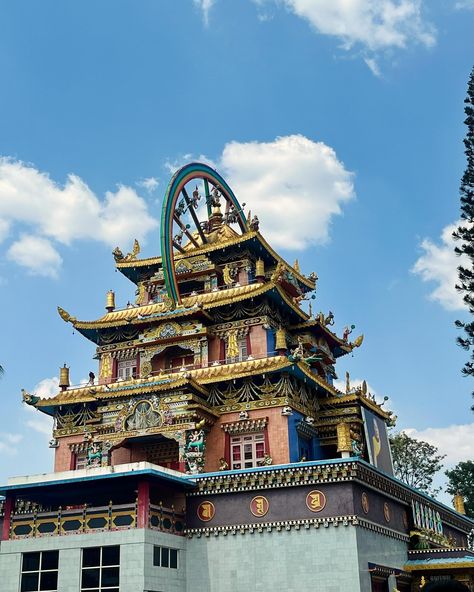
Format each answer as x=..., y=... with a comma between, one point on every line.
x=270, y=341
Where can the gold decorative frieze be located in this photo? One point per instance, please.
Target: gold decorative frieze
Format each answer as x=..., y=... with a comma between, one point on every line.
x=245, y=426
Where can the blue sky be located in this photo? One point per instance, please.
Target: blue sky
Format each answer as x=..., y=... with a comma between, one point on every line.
x=340, y=124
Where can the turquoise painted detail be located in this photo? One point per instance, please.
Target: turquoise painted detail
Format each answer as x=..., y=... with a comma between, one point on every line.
x=194, y=170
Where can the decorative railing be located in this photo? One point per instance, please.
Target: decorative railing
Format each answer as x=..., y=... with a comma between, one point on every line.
x=165, y=519
x=87, y=519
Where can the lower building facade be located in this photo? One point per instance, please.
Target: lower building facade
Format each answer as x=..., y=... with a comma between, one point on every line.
x=312, y=526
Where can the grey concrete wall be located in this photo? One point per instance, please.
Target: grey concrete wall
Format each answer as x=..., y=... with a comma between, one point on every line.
x=312, y=560
x=377, y=548
x=137, y=572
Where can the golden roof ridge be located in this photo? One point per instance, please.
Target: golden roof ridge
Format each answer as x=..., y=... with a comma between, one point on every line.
x=191, y=305
x=215, y=247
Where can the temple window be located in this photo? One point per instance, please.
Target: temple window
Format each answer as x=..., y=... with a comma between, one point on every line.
x=100, y=569
x=81, y=461
x=39, y=571
x=165, y=557
x=127, y=369
x=246, y=450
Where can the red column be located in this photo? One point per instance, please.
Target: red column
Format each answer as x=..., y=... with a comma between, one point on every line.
x=227, y=449
x=143, y=508
x=249, y=344
x=7, y=517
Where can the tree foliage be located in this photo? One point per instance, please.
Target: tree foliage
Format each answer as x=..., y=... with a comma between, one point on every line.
x=464, y=234
x=415, y=462
x=461, y=480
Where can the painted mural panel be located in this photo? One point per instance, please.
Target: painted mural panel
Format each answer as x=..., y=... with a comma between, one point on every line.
x=377, y=441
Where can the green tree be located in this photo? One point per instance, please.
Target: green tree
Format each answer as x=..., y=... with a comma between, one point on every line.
x=415, y=462
x=461, y=480
x=464, y=234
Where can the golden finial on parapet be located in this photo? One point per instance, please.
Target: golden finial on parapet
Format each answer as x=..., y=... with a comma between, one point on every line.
x=458, y=502
x=260, y=269
x=110, y=301
x=64, y=382
x=296, y=266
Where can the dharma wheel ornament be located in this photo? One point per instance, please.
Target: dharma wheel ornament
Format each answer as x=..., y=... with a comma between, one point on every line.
x=181, y=229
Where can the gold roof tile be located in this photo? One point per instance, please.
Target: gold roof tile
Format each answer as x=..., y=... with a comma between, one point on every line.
x=191, y=304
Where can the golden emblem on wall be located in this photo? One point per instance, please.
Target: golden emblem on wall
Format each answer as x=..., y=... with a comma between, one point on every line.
x=206, y=511
x=106, y=366
x=386, y=512
x=315, y=500
x=259, y=506
x=365, y=502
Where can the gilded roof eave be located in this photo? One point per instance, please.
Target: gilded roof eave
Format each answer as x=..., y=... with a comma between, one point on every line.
x=196, y=380
x=191, y=305
x=342, y=400
x=141, y=386
x=344, y=345
x=208, y=248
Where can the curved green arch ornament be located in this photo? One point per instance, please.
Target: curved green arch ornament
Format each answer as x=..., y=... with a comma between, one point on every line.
x=169, y=215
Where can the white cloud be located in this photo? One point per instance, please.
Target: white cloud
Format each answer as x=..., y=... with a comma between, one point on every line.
x=37, y=254
x=40, y=422
x=149, y=183
x=47, y=388
x=439, y=264
x=465, y=4
x=293, y=184
x=371, y=24
x=4, y=229
x=373, y=66
x=456, y=441
x=8, y=443
x=205, y=7
x=71, y=212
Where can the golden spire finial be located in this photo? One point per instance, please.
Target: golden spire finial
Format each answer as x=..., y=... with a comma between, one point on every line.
x=110, y=304
x=296, y=266
x=459, y=503
x=64, y=382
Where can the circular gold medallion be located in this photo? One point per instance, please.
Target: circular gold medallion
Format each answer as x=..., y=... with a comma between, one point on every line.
x=365, y=502
x=259, y=506
x=315, y=500
x=206, y=511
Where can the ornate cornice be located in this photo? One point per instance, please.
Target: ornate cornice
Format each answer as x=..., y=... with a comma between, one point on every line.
x=315, y=323
x=245, y=426
x=273, y=478
x=278, y=526
x=191, y=305
x=331, y=404
x=295, y=525
x=217, y=246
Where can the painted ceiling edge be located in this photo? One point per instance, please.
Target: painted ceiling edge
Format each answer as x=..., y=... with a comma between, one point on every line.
x=193, y=170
